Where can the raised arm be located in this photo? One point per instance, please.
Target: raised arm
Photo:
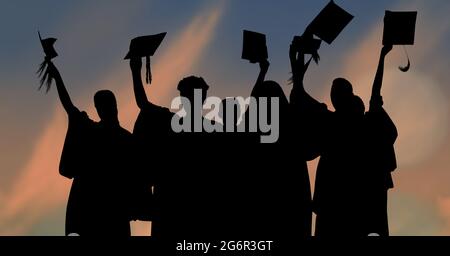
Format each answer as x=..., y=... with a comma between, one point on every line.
x=263, y=68
x=380, y=118
x=308, y=112
x=61, y=88
x=299, y=68
x=378, y=81
x=138, y=86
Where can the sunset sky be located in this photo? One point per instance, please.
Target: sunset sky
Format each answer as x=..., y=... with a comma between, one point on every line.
x=205, y=39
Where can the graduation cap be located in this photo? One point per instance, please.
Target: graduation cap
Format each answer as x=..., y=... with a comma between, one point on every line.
x=50, y=53
x=399, y=29
x=254, y=47
x=47, y=45
x=307, y=44
x=145, y=46
x=330, y=22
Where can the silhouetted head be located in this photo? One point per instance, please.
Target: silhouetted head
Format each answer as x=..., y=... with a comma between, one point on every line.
x=230, y=103
x=188, y=85
x=341, y=95
x=106, y=105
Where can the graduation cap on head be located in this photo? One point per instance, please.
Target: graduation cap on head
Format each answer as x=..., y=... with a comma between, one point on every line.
x=330, y=22
x=254, y=47
x=399, y=29
x=145, y=46
x=50, y=53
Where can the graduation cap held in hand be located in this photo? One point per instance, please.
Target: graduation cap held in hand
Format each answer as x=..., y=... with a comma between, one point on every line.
x=307, y=44
x=399, y=29
x=50, y=53
x=330, y=22
x=254, y=47
x=145, y=46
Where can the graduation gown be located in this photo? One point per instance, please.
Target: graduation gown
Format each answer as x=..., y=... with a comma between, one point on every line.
x=97, y=157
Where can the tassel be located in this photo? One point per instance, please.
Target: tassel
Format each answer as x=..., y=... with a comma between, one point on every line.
x=46, y=77
x=405, y=68
x=148, y=77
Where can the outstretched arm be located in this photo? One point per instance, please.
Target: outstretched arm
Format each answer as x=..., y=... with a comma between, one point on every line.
x=383, y=122
x=263, y=68
x=61, y=88
x=299, y=68
x=378, y=81
x=139, y=91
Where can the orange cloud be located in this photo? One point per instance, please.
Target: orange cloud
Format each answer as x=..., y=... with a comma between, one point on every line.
x=39, y=189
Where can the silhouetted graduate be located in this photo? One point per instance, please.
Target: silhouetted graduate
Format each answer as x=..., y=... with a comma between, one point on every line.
x=183, y=178
x=151, y=130
x=357, y=156
x=279, y=195
x=399, y=29
x=96, y=155
x=381, y=133
x=380, y=161
x=336, y=136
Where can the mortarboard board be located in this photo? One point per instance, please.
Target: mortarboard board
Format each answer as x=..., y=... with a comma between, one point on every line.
x=329, y=23
x=47, y=45
x=50, y=53
x=145, y=46
x=254, y=47
x=399, y=29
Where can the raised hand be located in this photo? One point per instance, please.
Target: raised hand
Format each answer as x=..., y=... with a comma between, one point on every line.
x=264, y=65
x=298, y=65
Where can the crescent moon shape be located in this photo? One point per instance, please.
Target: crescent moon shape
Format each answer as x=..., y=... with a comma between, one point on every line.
x=405, y=68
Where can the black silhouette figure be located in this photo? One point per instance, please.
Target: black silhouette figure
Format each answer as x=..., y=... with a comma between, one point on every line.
x=152, y=139
x=97, y=157
x=381, y=134
x=278, y=180
x=152, y=133
x=356, y=151
x=337, y=141
x=183, y=177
